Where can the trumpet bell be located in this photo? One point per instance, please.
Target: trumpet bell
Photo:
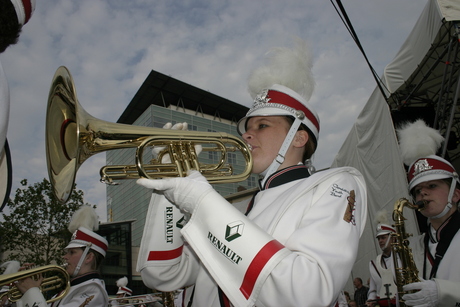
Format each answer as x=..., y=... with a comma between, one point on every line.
x=62, y=134
x=73, y=135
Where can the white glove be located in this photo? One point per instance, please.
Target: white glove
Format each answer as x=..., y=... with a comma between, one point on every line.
x=185, y=192
x=157, y=149
x=426, y=297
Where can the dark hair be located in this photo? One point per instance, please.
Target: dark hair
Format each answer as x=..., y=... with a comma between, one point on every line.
x=98, y=258
x=310, y=147
x=10, y=29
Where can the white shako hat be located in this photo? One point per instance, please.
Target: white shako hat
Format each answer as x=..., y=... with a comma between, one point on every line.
x=83, y=237
x=24, y=10
x=383, y=226
x=279, y=100
x=419, y=144
x=283, y=86
x=83, y=224
x=430, y=168
x=384, y=229
x=122, y=287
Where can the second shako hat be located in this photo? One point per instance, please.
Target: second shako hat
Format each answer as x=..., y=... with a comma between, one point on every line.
x=24, y=10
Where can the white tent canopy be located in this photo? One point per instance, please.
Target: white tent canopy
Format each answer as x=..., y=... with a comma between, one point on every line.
x=372, y=146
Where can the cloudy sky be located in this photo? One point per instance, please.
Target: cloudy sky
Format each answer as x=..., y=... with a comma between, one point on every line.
x=110, y=46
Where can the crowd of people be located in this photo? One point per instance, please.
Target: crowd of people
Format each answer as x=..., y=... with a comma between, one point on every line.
x=297, y=240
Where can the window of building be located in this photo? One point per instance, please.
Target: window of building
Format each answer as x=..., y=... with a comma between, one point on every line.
x=252, y=181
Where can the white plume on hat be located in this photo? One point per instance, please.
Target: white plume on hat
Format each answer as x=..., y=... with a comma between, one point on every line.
x=122, y=282
x=10, y=267
x=417, y=140
x=381, y=217
x=288, y=67
x=85, y=217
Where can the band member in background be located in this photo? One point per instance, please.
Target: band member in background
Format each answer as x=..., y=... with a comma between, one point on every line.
x=298, y=241
x=10, y=268
x=382, y=287
x=83, y=257
x=434, y=181
x=14, y=14
x=122, y=292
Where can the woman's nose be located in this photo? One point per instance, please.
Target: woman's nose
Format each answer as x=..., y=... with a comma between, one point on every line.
x=247, y=136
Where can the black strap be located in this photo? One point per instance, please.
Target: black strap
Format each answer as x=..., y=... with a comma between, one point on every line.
x=445, y=235
x=375, y=267
x=191, y=298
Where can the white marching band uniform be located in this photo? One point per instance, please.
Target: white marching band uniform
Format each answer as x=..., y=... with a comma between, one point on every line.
x=85, y=290
x=383, y=275
x=296, y=247
x=86, y=285
x=447, y=277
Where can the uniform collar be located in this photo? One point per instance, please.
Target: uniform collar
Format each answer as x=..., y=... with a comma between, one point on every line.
x=82, y=278
x=286, y=175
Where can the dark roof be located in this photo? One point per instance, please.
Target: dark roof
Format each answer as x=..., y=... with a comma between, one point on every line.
x=163, y=90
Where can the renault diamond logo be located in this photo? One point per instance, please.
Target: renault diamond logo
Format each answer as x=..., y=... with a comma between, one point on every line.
x=234, y=230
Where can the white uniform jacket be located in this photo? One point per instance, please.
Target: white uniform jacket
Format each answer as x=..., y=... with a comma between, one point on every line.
x=86, y=290
x=447, y=277
x=296, y=247
x=386, y=273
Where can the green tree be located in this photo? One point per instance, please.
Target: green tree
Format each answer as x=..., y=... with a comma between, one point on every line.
x=35, y=230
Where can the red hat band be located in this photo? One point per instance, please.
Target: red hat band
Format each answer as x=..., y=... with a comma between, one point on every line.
x=124, y=290
x=428, y=164
x=282, y=98
x=84, y=237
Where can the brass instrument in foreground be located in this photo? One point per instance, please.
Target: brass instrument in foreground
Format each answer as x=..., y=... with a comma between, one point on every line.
x=137, y=300
x=72, y=136
x=58, y=282
x=407, y=272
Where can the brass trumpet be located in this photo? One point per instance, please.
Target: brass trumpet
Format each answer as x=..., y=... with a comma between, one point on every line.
x=59, y=281
x=72, y=136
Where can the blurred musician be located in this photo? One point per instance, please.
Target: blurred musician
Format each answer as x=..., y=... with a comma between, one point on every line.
x=14, y=14
x=83, y=257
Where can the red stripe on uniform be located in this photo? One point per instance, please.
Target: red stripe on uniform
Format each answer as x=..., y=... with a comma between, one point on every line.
x=256, y=266
x=165, y=255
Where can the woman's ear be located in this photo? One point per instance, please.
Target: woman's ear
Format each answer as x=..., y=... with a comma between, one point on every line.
x=89, y=257
x=301, y=138
x=456, y=196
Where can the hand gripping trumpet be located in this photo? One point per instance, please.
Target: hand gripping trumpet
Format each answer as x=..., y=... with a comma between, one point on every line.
x=58, y=281
x=407, y=272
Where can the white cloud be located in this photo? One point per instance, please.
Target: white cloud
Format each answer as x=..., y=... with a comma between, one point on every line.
x=111, y=46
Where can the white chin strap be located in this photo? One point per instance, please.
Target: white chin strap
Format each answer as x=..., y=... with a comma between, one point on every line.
x=388, y=241
x=282, y=152
x=80, y=262
x=449, y=198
